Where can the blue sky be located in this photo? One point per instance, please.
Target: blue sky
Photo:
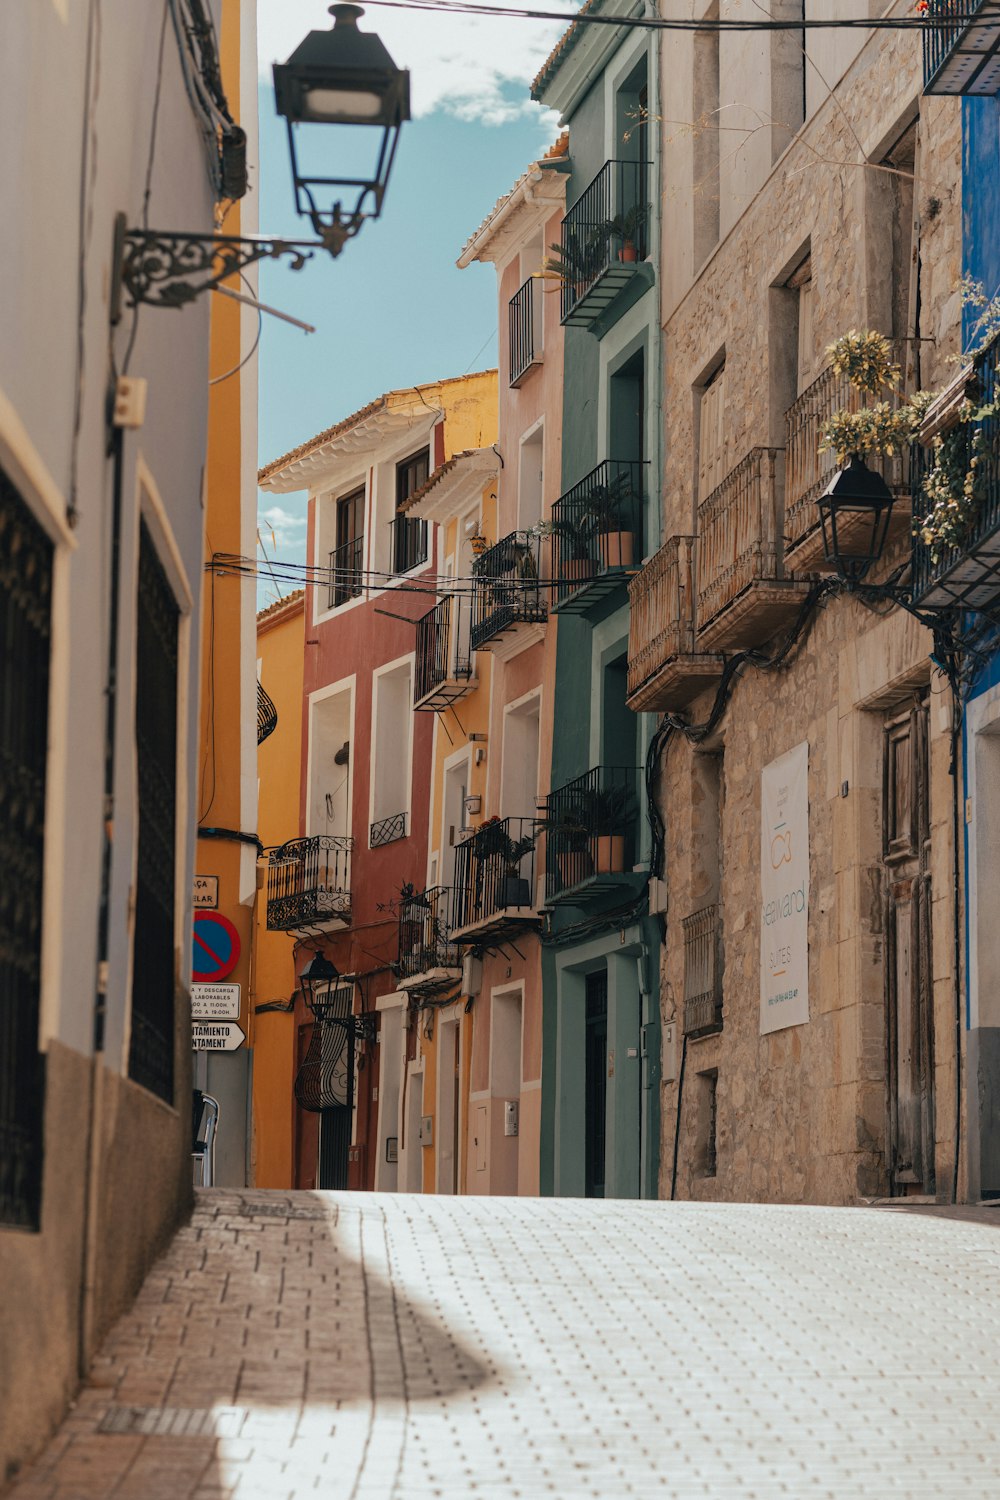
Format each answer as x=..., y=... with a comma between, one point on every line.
x=393, y=310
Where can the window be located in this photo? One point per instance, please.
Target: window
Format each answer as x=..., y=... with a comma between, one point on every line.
x=347, y=558
x=529, y=488
x=409, y=535
x=392, y=722
x=151, y=1052
x=26, y=588
x=801, y=284
x=712, y=434
x=708, y=1088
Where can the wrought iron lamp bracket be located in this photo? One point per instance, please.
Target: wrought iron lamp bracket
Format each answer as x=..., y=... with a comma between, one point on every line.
x=166, y=269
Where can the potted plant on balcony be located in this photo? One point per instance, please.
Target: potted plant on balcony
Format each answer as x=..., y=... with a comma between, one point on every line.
x=569, y=843
x=578, y=260
x=495, y=846
x=610, y=808
x=575, y=563
x=607, y=521
x=627, y=227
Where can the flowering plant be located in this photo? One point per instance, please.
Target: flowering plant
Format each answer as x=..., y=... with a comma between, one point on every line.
x=866, y=359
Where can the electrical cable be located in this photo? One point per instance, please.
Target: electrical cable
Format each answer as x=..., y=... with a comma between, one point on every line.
x=662, y=23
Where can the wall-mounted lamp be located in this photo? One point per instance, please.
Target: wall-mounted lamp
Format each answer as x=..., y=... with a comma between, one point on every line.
x=339, y=77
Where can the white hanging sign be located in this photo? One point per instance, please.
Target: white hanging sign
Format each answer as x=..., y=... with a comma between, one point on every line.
x=784, y=891
x=215, y=1002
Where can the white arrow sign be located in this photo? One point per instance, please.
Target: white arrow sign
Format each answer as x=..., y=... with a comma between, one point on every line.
x=216, y=1036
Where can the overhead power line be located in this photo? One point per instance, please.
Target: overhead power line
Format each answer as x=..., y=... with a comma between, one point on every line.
x=664, y=23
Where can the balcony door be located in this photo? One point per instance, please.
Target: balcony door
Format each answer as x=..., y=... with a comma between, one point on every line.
x=595, y=1084
x=909, y=970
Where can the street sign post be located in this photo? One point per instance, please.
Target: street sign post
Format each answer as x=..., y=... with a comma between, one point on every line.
x=216, y=947
x=216, y=1036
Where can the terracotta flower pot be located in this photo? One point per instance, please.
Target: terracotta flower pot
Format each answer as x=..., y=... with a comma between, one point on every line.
x=576, y=570
x=628, y=253
x=574, y=865
x=608, y=853
x=617, y=549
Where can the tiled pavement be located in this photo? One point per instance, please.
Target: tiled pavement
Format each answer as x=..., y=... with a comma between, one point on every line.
x=396, y=1348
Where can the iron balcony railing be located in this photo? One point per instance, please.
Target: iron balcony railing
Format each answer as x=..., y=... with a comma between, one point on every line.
x=739, y=532
x=661, y=614
x=962, y=47
x=807, y=470
x=506, y=591
x=443, y=650
x=524, y=322
x=495, y=870
x=702, y=972
x=591, y=827
x=387, y=830
x=409, y=543
x=597, y=527
x=607, y=226
x=346, y=572
x=426, y=921
x=267, y=715
x=309, y=881
x=967, y=575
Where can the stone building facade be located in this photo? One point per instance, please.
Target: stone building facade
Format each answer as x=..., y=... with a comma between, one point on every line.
x=808, y=189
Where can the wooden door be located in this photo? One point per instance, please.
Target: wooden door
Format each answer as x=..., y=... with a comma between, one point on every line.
x=712, y=436
x=909, y=973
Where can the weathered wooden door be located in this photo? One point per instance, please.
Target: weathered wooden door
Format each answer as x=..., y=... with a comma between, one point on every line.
x=909, y=972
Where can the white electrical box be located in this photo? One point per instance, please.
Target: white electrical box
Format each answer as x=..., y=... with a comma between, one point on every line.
x=472, y=974
x=669, y=1056
x=510, y=1114
x=427, y=1130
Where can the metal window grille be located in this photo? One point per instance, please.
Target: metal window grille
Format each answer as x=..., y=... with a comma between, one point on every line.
x=597, y=529
x=495, y=870
x=591, y=828
x=426, y=920
x=267, y=715
x=387, y=830
x=702, y=972
x=151, y=1054
x=521, y=321
x=309, y=881
x=25, y=614
x=442, y=646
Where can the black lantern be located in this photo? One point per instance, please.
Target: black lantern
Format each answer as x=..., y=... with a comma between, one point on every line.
x=326, y=991
x=343, y=77
x=855, y=509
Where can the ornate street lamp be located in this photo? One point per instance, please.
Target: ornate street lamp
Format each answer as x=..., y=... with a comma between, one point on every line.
x=324, y=1084
x=339, y=77
x=343, y=77
x=854, y=510
x=327, y=992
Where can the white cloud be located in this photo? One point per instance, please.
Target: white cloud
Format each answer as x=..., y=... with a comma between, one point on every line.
x=476, y=67
x=281, y=528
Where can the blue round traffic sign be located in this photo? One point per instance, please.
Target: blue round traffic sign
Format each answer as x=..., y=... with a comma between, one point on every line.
x=216, y=947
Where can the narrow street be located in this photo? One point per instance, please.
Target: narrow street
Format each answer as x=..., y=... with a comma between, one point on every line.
x=393, y=1347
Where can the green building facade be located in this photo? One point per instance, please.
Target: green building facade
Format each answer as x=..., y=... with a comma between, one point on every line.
x=601, y=1016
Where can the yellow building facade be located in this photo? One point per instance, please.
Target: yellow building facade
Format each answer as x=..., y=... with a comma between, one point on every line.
x=226, y=860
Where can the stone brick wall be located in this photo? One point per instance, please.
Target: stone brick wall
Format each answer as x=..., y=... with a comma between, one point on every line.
x=801, y=1115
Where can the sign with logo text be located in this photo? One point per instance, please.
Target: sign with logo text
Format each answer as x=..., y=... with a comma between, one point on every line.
x=784, y=891
x=215, y=1002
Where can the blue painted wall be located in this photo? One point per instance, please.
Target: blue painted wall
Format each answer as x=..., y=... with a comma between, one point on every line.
x=980, y=198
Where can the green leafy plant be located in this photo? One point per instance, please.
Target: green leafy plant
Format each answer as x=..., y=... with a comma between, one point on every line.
x=955, y=484
x=866, y=359
x=628, y=225
x=493, y=840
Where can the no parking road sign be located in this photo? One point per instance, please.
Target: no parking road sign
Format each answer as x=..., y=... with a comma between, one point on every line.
x=216, y=947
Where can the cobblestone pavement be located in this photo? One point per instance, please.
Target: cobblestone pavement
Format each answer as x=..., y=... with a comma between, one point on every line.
x=395, y=1348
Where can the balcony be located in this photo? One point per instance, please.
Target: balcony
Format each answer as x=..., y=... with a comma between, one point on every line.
x=495, y=882
x=524, y=325
x=267, y=715
x=309, y=884
x=702, y=972
x=346, y=572
x=664, y=670
x=444, y=658
x=597, y=535
x=507, y=597
x=968, y=575
x=808, y=472
x=428, y=960
x=591, y=827
x=604, y=243
x=409, y=543
x=962, y=47
x=744, y=596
